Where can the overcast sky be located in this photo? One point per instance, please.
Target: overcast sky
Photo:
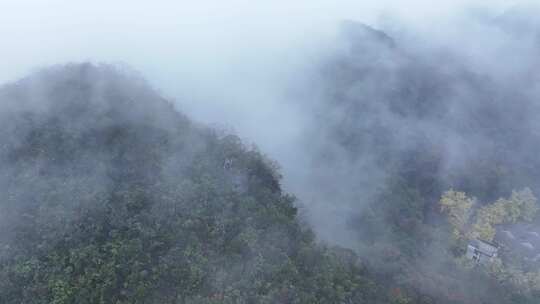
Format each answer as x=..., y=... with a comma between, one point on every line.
x=161, y=36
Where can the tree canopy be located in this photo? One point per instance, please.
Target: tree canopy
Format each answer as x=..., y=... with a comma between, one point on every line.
x=111, y=196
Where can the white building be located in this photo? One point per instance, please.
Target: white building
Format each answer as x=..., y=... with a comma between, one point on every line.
x=482, y=252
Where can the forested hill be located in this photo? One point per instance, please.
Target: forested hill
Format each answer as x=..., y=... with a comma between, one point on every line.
x=397, y=126
x=109, y=195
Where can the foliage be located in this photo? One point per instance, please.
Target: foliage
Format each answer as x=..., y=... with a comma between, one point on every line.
x=111, y=196
x=520, y=206
x=457, y=206
x=406, y=127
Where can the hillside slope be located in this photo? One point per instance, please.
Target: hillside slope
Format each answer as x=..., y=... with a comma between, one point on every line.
x=397, y=127
x=112, y=196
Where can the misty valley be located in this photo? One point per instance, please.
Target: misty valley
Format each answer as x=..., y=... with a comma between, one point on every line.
x=413, y=178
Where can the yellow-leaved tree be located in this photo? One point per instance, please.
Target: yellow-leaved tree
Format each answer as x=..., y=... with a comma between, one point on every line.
x=521, y=205
x=458, y=208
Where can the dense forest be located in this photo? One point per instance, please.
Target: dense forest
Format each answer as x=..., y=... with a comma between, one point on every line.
x=424, y=152
x=111, y=195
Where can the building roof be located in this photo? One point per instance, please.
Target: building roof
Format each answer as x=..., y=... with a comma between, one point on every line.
x=485, y=247
x=522, y=239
